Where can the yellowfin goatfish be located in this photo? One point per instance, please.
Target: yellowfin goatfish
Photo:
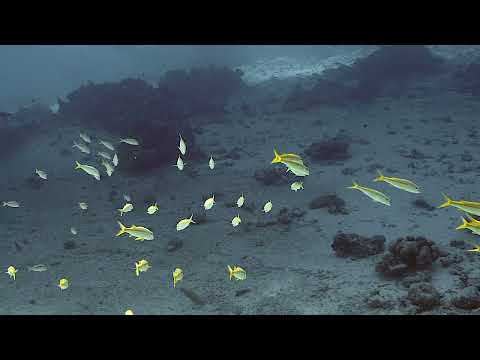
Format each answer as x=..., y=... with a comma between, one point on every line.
x=108, y=167
x=104, y=155
x=141, y=266
x=129, y=312
x=85, y=138
x=401, y=184
x=182, y=146
x=293, y=162
x=82, y=147
x=130, y=141
x=375, y=195
x=177, y=276
x=90, y=170
x=108, y=145
x=236, y=272
x=473, y=225
x=184, y=223
x=41, y=174
x=139, y=232
x=12, y=204
x=12, y=272
x=467, y=206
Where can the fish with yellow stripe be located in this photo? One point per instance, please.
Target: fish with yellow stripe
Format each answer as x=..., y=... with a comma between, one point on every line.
x=469, y=207
x=402, y=184
x=473, y=225
x=293, y=162
x=373, y=194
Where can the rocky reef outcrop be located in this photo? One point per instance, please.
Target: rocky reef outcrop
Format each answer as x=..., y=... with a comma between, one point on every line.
x=153, y=114
x=387, y=70
x=357, y=246
x=408, y=254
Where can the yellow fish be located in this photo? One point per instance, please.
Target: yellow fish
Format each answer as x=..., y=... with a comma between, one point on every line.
x=236, y=220
x=184, y=223
x=83, y=206
x=130, y=141
x=141, y=266
x=85, y=138
x=38, y=268
x=126, y=208
x=115, y=159
x=90, y=170
x=208, y=204
x=177, y=276
x=240, y=201
x=108, y=145
x=152, y=209
x=467, y=206
x=63, y=284
x=139, y=232
x=180, y=164
x=82, y=147
x=182, y=146
x=375, y=195
x=476, y=247
x=12, y=272
x=267, y=207
x=297, y=185
x=12, y=204
x=293, y=162
x=41, y=174
x=104, y=155
x=129, y=312
x=237, y=272
x=401, y=184
x=473, y=225
x=285, y=158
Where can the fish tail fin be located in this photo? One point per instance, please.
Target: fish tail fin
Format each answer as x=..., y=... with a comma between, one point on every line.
x=77, y=165
x=122, y=229
x=354, y=186
x=191, y=219
x=230, y=272
x=463, y=226
x=447, y=202
x=137, y=272
x=380, y=176
x=277, y=157
x=4, y=203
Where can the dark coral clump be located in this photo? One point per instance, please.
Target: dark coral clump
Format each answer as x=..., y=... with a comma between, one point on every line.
x=272, y=176
x=357, y=246
x=329, y=151
x=153, y=115
x=408, y=255
x=385, y=71
x=332, y=202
